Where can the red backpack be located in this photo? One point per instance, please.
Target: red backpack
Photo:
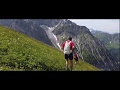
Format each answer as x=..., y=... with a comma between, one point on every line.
x=75, y=56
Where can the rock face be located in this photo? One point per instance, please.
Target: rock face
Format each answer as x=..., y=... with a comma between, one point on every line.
x=107, y=38
x=55, y=31
x=111, y=41
x=29, y=27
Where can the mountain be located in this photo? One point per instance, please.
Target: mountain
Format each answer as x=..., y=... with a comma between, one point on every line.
x=111, y=41
x=90, y=49
x=18, y=52
x=29, y=27
x=107, y=38
x=55, y=31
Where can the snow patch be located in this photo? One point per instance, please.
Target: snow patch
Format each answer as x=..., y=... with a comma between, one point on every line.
x=56, y=41
x=51, y=35
x=55, y=36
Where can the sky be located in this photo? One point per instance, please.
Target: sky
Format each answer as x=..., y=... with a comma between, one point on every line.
x=106, y=25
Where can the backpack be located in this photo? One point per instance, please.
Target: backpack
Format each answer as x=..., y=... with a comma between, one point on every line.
x=75, y=56
x=67, y=48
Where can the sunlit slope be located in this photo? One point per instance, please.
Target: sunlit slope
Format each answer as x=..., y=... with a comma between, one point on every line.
x=19, y=52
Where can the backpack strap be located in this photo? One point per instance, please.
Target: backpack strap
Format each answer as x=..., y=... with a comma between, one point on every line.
x=70, y=46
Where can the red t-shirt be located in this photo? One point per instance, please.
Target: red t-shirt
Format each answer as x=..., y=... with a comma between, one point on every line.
x=71, y=45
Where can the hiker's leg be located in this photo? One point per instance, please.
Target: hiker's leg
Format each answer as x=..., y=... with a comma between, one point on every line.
x=71, y=60
x=76, y=61
x=66, y=57
x=66, y=64
x=71, y=64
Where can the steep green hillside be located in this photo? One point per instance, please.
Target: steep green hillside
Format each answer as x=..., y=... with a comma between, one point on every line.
x=19, y=52
x=111, y=42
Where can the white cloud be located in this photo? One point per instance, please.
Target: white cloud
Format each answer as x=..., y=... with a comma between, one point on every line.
x=106, y=25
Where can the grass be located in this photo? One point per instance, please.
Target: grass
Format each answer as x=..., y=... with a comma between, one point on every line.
x=114, y=46
x=19, y=52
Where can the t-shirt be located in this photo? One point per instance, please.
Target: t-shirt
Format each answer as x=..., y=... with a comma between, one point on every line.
x=71, y=45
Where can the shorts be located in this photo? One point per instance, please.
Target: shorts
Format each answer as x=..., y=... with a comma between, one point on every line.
x=69, y=56
x=76, y=59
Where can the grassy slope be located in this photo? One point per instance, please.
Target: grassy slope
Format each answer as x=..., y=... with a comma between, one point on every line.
x=19, y=52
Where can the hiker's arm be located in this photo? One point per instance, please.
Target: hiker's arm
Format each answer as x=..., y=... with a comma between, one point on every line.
x=73, y=46
x=62, y=47
x=78, y=56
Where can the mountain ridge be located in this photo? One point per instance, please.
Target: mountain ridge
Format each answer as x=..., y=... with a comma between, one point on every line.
x=111, y=42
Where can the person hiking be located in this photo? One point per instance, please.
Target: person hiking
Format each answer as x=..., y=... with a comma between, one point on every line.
x=68, y=48
x=76, y=58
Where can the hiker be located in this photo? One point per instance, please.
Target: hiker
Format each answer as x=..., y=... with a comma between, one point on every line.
x=76, y=58
x=68, y=48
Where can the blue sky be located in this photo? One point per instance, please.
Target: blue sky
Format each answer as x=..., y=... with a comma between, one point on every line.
x=107, y=25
